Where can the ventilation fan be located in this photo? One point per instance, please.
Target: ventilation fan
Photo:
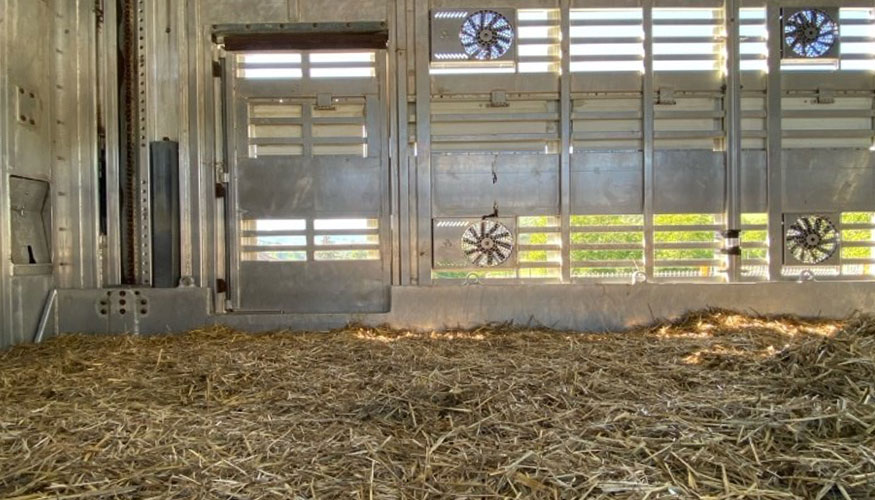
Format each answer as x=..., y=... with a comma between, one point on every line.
x=810, y=33
x=810, y=240
x=484, y=35
x=475, y=242
x=487, y=243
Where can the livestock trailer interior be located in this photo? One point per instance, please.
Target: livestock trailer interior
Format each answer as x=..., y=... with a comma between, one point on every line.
x=571, y=163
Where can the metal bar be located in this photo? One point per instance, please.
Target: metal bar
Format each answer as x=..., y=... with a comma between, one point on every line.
x=108, y=51
x=648, y=136
x=773, y=143
x=733, y=130
x=45, y=317
x=398, y=54
x=565, y=134
x=423, y=144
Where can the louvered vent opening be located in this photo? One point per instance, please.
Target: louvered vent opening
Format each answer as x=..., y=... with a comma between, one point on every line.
x=607, y=40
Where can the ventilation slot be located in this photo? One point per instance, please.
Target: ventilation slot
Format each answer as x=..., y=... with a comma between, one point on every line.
x=687, y=40
x=538, y=37
x=857, y=32
x=539, y=247
x=754, y=38
x=607, y=247
x=688, y=246
x=269, y=66
x=858, y=243
x=341, y=65
x=275, y=129
x=607, y=40
x=755, y=247
x=340, y=131
x=346, y=239
x=274, y=240
x=479, y=126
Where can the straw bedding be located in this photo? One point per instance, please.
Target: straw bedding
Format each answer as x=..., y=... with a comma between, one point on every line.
x=716, y=405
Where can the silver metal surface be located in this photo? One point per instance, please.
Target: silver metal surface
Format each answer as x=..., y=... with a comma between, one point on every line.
x=570, y=145
x=312, y=179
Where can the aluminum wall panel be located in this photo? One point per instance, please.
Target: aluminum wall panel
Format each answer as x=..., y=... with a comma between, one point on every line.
x=471, y=185
x=607, y=183
x=828, y=180
x=754, y=185
x=689, y=182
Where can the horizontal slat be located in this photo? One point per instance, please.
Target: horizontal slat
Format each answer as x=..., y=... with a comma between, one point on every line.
x=863, y=227
x=275, y=248
x=688, y=263
x=603, y=264
x=688, y=134
x=539, y=248
x=606, y=115
x=607, y=57
x=828, y=113
x=668, y=114
x=494, y=137
x=691, y=245
x=607, y=246
x=690, y=228
x=607, y=229
x=597, y=136
x=494, y=117
x=276, y=141
x=828, y=134
x=316, y=121
x=606, y=22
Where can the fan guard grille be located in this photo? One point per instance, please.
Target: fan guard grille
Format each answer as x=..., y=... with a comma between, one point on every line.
x=812, y=239
x=486, y=35
x=487, y=243
x=810, y=33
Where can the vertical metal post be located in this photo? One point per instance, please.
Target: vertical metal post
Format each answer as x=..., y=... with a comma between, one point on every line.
x=423, y=144
x=647, y=132
x=402, y=166
x=142, y=215
x=565, y=138
x=732, y=127
x=108, y=50
x=774, y=143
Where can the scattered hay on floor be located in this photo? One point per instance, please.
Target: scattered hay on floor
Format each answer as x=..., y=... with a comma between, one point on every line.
x=716, y=405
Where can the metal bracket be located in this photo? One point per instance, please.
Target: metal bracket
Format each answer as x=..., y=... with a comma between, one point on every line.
x=217, y=69
x=498, y=99
x=826, y=96
x=325, y=102
x=666, y=96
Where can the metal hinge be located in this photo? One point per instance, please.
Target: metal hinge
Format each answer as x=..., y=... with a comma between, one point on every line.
x=325, y=102
x=826, y=96
x=498, y=99
x=217, y=69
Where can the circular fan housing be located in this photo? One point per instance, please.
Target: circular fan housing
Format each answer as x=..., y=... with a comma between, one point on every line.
x=810, y=33
x=487, y=243
x=812, y=239
x=486, y=35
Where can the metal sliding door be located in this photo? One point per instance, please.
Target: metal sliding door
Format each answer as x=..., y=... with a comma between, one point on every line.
x=309, y=223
